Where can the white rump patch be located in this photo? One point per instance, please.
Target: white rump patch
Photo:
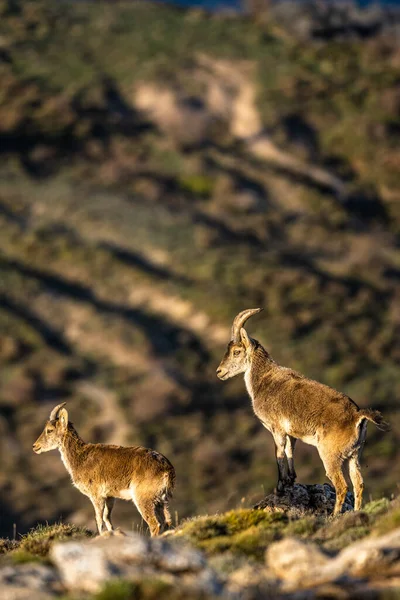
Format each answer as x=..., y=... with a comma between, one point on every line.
x=126, y=494
x=312, y=440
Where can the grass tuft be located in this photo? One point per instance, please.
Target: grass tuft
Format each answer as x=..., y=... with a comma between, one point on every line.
x=376, y=507
x=244, y=532
x=389, y=520
x=38, y=541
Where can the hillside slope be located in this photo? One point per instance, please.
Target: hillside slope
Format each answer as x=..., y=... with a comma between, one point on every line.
x=246, y=554
x=162, y=170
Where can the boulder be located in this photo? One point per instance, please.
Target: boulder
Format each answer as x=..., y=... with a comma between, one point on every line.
x=28, y=581
x=301, y=499
x=374, y=556
x=87, y=565
x=252, y=582
x=301, y=565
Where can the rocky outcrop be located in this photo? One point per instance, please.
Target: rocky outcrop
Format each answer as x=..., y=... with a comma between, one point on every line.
x=301, y=499
x=293, y=569
x=25, y=582
x=301, y=565
x=86, y=566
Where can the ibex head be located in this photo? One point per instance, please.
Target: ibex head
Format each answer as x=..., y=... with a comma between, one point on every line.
x=237, y=357
x=53, y=431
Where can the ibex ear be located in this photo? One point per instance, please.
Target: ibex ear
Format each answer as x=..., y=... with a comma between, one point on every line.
x=63, y=418
x=245, y=338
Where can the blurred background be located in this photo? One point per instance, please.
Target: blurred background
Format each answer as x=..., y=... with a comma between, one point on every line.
x=163, y=168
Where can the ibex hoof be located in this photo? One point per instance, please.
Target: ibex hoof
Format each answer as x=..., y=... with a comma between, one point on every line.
x=119, y=532
x=112, y=533
x=168, y=533
x=283, y=485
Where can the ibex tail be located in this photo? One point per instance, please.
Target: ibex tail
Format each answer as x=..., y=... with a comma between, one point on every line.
x=169, y=484
x=374, y=416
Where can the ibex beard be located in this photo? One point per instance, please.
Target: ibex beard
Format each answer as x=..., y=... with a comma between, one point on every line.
x=105, y=472
x=293, y=407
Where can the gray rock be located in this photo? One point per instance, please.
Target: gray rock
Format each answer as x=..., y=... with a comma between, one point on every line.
x=176, y=559
x=301, y=499
x=301, y=565
x=372, y=556
x=28, y=582
x=86, y=565
x=252, y=582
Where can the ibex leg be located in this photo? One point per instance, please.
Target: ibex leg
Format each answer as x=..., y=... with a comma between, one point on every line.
x=334, y=471
x=356, y=480
x=289, y=451
x=98, y=505
x=283, y=473
x=354, y=467
x=107, y=513
x=159, y=510
x=167, y=515
x=147, y=509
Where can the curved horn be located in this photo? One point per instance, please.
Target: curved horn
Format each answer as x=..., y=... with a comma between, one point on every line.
x=240, y=320
x=55, y=411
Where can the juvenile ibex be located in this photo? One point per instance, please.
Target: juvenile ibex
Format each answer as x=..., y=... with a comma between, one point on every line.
x=104, y=472
x=293, y=407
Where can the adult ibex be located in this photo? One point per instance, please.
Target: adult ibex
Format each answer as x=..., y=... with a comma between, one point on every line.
x=104, y=472
x=293, y=407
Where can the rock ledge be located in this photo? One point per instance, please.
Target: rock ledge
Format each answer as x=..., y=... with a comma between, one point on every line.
x=301, y=499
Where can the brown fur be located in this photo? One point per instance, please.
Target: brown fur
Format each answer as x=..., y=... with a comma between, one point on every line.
x=104, y=472
x=293, y=407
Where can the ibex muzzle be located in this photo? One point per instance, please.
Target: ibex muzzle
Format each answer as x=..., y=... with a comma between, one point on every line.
x=293, y=407
x=53, y=431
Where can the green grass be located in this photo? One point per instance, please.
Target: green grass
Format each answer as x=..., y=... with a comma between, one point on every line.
x=247, y=533
x=147, y=589
x=243, y=532
x=199, y=186
x=376, y=507
x=35, y=546
x=38, y=541
x=20, y=557
x=386, y=522
x=116, y=590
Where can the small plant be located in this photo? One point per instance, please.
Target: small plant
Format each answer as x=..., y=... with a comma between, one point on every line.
x=7, y=545
x=377, y=507
x=197, y=185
